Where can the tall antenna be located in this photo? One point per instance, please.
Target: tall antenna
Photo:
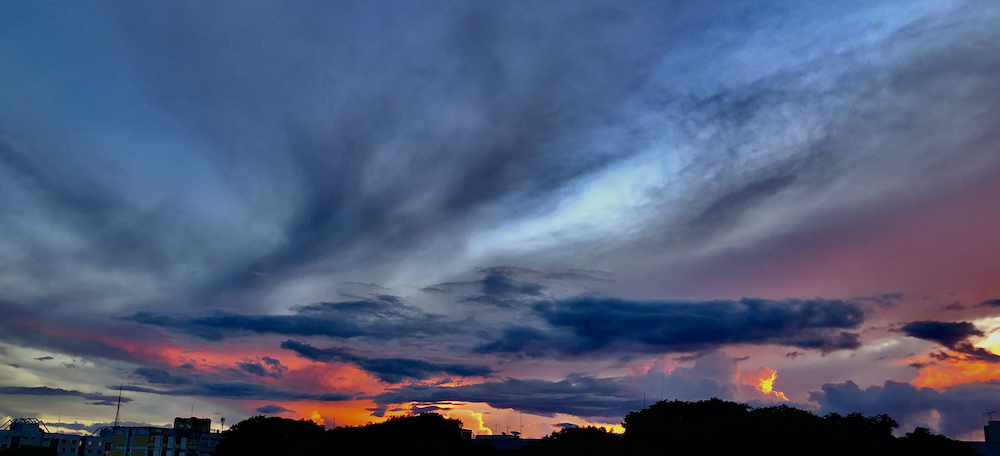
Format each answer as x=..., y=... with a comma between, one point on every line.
x=192, y=410
x=119, y=409
x=522, y=423
x=990, y=414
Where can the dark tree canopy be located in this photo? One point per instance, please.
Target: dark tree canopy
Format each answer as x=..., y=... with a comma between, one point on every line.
x=270, y=435
x=711, y=427
x=922, y=442
x=427, y=433
x=28, y=450
x=582, y=441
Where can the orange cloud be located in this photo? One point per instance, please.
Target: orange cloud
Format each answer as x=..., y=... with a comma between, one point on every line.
x=759, y=384
x=940, y=372
x=949, y=373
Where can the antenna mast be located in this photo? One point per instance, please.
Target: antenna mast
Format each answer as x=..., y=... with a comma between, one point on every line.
x=119, y=409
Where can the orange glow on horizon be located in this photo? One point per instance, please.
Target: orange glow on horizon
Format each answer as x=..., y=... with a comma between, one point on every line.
x=958, y=370
x=952, y=373
x=317, y=418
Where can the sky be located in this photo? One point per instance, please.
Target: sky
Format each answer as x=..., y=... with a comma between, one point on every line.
x=523, y=215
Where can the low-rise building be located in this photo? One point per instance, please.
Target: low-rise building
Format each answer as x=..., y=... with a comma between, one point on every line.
x=20, y=432
x=189, y=437
x=504, y=441
x=991, y=447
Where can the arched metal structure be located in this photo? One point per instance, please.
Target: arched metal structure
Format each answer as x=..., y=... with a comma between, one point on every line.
x=103, y=431
x=9, y=424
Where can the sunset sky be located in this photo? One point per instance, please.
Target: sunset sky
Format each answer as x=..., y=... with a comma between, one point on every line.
x=519, y=213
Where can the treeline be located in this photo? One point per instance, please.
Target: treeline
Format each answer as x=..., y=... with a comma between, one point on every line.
x=712, y=427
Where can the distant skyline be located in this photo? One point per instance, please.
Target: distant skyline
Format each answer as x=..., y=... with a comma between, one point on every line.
x=345, y=211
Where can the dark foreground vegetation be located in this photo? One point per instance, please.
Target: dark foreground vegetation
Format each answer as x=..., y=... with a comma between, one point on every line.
x=712, y=427
x=28, y=450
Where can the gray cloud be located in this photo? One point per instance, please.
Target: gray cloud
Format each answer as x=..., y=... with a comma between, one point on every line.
x=353, y=178
x=266, y=367
x=989, y=303
x=242, y=391
x=391, y=370
x=598, y=324
x=712, y=375
x=272, y=409
x=952, y=335
x=960, y=407
x=577, y=395
x=98, y=398
x=385, y=317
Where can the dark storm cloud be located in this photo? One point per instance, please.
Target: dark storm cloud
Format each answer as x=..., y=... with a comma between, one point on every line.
x=486, y=109
x=452, y=109
x=225, y=383
x=508, y=287
x=597, y=324
x=954, y=306
x=242, y=391
x=266, y=367
x=577, y=395
x=952, y=335
x=391, y=370
x=960, y=407
x=99, y=398
x=989, y=303
x=156, y=376
x=272, y=409
x=945, y=333
x=44, y=358
x=384, y=317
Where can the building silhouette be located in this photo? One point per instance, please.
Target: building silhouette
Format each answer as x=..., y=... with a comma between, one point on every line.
x=21, y=432
x=188, y=437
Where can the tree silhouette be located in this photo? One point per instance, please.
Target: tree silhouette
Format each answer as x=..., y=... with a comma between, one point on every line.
x=583, y=441
x=923, y=442
x=263, y=435
x=28, y=450
x=427, y=433
x=711, y=427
